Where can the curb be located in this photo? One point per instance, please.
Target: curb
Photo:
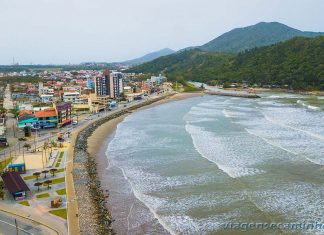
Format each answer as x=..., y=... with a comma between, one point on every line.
x=37, y=222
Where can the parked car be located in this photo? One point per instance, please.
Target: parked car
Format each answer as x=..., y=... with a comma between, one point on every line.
x=3, y=142
x=22, y=139
x=74, y=122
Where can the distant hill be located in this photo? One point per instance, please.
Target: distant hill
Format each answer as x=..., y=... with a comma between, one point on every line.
x=261, y=34
x=149, y=57
x=297, y=63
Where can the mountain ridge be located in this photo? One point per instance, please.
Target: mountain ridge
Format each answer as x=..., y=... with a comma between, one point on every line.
x=149, y=57
x=260, y=34
x=296, y=63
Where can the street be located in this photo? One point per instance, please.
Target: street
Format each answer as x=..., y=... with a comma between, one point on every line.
x=25, y=227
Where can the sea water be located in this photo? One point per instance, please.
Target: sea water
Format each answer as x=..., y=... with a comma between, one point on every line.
x=194, y=166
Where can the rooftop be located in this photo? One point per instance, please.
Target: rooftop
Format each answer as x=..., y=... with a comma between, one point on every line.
x=13, y=182
x=49, y=112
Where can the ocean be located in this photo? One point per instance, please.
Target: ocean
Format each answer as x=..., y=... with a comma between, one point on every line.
x=215, y=165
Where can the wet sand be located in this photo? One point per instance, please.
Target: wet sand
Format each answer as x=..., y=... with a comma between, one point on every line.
x=130, y=215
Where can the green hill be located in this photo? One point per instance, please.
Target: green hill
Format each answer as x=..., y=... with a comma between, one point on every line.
x=261, y=34
x=297, y=63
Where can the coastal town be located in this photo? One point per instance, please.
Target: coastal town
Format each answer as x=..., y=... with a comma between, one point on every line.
x=40, y=121
x=161, y=117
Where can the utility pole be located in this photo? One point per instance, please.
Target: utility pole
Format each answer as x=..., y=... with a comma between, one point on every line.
x=23, y=155
x=16, y=224
x=35, y=139
x=13, y=129
x=43, y=159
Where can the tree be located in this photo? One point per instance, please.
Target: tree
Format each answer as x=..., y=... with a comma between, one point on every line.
x=27, y=146
x=38, y=184
x=53, y=171
x=45, y=172
x=37, y=174
x=48, y=183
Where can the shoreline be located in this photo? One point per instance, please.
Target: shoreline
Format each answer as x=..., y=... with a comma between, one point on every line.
x=92, y=213
x=261, y=90
x=99, y=136
x=102, y=136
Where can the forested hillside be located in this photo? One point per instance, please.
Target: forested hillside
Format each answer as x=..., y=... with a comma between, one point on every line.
x=298, y=63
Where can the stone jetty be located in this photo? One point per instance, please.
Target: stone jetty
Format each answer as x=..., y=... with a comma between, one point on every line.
x=233, y=94
x=94, y=217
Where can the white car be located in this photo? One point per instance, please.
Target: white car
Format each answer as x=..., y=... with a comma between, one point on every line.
x=74, y=122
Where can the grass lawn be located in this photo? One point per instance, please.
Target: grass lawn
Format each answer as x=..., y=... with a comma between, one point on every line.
x=189, y=88
x=29, y=177
x=58, y=180
x=60, y=170
x=43, y=195
x=61, y=191
x=61, y=155
x=60, y=213
x=25, y=203
x=58, y=164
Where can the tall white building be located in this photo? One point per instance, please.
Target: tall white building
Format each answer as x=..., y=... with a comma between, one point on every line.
x=116, y=84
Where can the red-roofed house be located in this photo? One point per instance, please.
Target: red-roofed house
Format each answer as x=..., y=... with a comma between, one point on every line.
x=47, y=118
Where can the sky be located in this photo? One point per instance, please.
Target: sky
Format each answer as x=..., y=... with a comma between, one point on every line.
x=75, y=31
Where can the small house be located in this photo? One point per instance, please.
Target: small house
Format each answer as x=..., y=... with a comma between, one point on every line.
x=15, y=185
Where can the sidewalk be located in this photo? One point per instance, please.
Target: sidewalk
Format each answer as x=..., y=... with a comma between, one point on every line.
x=33, y=218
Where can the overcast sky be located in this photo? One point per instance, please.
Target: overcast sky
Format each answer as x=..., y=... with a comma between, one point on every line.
x=74, y=31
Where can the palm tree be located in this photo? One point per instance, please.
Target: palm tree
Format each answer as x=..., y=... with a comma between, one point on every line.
x=37, y=184
x=48, y=182
x=37, y=174
x=53, y=171
x=45, y=172
x=27, y=146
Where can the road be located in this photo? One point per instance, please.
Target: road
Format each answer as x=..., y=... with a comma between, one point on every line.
x=25, y=227
x=43, y=134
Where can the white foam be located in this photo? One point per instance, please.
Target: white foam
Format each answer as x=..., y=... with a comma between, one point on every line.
x=318, y=136
x=311, y=107
x=232, y=167
x=143, y=198
x=305, y=197
x=231, y=114
x=269, y=142
x=226, y=114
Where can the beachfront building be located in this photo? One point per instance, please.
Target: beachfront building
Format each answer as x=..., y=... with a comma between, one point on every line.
x=64, y=113
x=46, y=118
x=26, y=119
x=102, y=84
x=98, y=103
x=116, y=85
